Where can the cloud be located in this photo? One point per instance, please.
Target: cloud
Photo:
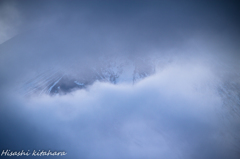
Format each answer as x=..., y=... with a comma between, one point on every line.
x=163, y=116
x=10, y=21
x=177, y=113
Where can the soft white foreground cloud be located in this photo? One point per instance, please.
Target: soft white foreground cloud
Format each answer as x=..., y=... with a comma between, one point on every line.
x=176, y=113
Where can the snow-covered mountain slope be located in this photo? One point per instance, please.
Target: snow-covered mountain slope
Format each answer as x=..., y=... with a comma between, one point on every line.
x=119, y=70
x=113, y=70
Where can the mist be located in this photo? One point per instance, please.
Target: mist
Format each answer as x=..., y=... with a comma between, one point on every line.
x=187, y=108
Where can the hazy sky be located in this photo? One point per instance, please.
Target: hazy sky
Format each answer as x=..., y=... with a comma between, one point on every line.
x=176, y=113
x=60, y=32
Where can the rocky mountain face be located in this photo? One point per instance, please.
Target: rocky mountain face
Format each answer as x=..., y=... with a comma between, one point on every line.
x=112, y=70
x=119, y=70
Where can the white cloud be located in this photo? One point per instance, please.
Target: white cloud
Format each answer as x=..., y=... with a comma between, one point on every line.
x=163, y=116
